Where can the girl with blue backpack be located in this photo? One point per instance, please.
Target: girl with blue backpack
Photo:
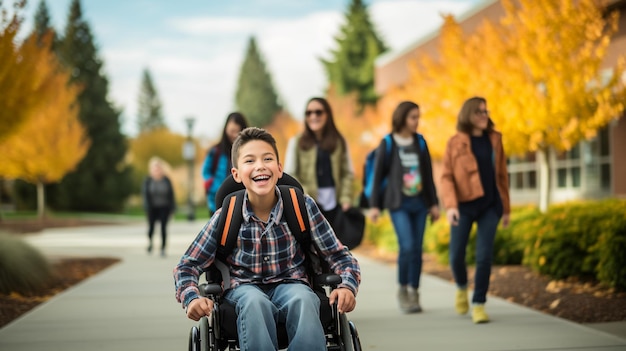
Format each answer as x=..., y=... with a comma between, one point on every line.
x=217, y=164
x=409, y=195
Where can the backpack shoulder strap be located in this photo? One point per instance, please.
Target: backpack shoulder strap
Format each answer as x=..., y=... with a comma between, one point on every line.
x=294, y=212
x=229, y=223
x=421, y=142
x=388, y=143
x=231, y=217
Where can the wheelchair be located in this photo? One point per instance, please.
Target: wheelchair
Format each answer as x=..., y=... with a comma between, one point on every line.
x=218, y=331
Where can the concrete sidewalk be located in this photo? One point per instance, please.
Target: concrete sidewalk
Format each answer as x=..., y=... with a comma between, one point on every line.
x=131, y=306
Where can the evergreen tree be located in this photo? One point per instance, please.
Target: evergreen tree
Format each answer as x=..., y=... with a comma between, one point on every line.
x=149, y=114
x=256, y=97
x=351, y=68
x=102, y=180
x=42, y=23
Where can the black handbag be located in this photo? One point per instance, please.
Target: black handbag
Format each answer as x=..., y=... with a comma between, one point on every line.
x=349, y=226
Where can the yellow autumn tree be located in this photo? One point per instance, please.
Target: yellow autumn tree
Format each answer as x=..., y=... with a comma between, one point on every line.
x=540, y=69
x=52, y=140
x=558, y=94
x=19, y=83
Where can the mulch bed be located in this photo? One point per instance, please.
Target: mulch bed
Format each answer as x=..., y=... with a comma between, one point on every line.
x=67, y=272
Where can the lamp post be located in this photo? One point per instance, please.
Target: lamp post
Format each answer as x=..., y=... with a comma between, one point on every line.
x=189, y=154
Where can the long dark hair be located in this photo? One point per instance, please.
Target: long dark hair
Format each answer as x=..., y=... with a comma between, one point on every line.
x=398, y=119
x=330, y=133
x=224, y=145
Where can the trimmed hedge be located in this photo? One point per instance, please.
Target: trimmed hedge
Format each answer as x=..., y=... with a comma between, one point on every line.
x=579, y=239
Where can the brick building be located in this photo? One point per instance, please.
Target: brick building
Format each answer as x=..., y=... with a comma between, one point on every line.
x=592, y=169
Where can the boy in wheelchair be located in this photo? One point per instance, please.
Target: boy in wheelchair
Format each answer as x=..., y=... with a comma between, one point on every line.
x=269, y=279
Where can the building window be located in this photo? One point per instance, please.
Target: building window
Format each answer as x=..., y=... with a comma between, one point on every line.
x=532, y=179
x=575, y=171
x=561, y=177
x=603, y=136
x=605, y=176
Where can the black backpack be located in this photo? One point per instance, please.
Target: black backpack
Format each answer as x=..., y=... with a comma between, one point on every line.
x=231, y=194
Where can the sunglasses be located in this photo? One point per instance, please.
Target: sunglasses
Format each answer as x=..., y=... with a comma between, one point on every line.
x=314, y=112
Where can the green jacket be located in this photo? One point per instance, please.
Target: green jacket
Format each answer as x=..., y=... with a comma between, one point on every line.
x=301, y=165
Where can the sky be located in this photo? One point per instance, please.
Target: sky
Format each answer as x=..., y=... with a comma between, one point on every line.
x=194, y=49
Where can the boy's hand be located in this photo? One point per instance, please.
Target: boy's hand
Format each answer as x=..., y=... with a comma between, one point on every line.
x=345, y=299
x=199, y=308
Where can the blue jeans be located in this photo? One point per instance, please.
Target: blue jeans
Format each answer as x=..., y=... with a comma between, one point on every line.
x=409, y=222
x=260, y=307
x=487, y=223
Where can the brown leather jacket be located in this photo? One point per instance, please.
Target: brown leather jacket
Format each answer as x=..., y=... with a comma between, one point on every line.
x=460, y=181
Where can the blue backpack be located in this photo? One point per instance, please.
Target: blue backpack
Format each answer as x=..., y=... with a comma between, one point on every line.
x=368, y=170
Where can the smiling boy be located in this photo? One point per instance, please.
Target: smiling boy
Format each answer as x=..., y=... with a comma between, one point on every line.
x=269, y=283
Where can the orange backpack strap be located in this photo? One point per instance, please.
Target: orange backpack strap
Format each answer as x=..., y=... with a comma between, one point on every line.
x=294, y=212
x=229, y=223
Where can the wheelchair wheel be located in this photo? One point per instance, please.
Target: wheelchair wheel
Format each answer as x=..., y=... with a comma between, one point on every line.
x=347, y=341
x=356, y=342
x=194, y=339
x=205, y=336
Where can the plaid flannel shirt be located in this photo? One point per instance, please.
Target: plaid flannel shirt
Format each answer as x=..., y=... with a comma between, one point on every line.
x=265, y=252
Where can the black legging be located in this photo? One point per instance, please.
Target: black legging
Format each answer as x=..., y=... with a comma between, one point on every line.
x=161, y=214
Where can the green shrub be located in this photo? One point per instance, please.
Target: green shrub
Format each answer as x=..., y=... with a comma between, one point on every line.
x=23, y=269
x=579, y=239
x=381, y=234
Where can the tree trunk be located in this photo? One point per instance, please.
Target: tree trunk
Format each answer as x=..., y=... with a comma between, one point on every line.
x=41, y=200
x=545, y=179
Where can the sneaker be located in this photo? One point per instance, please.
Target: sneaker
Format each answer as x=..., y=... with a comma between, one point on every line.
x=414, y=301
x=479, y=315
x=403, y=300
x=461, y=304
x=150, y=248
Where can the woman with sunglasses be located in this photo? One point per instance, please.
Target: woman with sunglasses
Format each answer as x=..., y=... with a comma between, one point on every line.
x=474, y=188
x=319, y=159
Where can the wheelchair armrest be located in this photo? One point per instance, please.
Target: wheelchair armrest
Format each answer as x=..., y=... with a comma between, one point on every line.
x=327, y=279
x=209, y=289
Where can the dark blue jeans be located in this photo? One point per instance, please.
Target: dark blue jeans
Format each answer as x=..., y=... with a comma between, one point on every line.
x=487, y=223
x=409, y=222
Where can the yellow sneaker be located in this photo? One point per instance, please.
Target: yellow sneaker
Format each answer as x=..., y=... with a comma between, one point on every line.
x=461, y=304
x=479, y=315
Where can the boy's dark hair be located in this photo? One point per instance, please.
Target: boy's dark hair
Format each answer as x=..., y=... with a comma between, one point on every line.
x=250, y=134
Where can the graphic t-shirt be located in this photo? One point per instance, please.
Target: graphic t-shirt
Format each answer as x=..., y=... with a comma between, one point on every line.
x=411, y=176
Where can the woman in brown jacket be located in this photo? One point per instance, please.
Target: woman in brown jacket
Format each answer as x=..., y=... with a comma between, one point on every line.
x=474, y=188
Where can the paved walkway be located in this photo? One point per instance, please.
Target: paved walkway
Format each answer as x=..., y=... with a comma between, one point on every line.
x=131, y=306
